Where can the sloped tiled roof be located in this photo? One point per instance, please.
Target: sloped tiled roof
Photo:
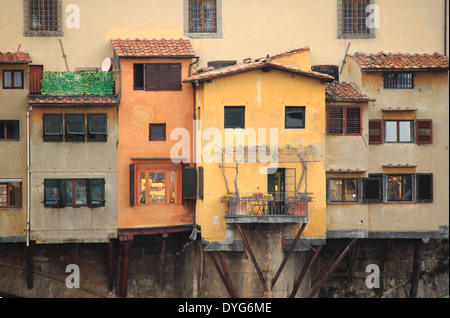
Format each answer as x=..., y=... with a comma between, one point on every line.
x=153, y=48
x=343, y=92
x=248, y=64
x=400, y=61
x=15, y=57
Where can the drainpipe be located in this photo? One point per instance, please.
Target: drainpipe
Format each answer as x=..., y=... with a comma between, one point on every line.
x=28, y=176
x=194, y=225
x=445, y=27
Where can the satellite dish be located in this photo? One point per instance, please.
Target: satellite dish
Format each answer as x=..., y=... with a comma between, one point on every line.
x=106, y=64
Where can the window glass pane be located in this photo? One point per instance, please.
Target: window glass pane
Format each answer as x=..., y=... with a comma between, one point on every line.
x=234, y=117
x=405, y=131
x=157, y=187
x=142, y=187
x=3, y=195
x=351, y=190
x=97, y=193
x=80, y=192
x=17, y=79
x=51, y=194
x=12, y=131
x=391, y=131
x=335, y=190
x=171, y=186
x=2, y=129
x=7, y=79
x=69, y=193
x=157, y=132
x=399, y=188
x=295, y=117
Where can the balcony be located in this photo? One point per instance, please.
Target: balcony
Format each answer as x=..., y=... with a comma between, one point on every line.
x=72, y=88
x=267, y=207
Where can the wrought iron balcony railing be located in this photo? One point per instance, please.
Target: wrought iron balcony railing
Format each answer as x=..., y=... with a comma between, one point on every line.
x=267, y=204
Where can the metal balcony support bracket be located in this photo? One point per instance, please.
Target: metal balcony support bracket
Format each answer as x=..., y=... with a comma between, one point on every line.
x=122, y=271
x=223, y=274
x=354, y=258
x=162, y=268
x=250, y=252
x=288, y=254
x=329, y=271
x=308, y=263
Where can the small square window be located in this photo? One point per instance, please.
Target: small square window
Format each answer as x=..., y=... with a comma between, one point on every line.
x=234, y=117
x=12, y=79
x=75, y=129
x=343, y=190
x=294, y=117
x=11, y=194
x=9, y=130
x=157, y=132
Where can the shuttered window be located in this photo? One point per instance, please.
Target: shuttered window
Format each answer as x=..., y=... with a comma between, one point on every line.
x=157, y=76
x=373, y=188
x=376, y=131
x=97, y=127
x=75, y=128
x=189, y=183
x=424, y=187
x=53, y=127
x=424, y=131
x=200, y=183
x=59, y=193
x=344, y=120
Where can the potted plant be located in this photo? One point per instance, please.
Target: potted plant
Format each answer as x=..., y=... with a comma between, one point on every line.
x=296, y=205
x=227, y=198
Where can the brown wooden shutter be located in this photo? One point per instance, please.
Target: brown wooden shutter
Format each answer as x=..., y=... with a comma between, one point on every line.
x=335, y=120
x=151, y=77
x=35, y=77
x=175, y=77
x=353, y=120
x=376, y=131
x=424, y=187
x=132, y=184
x=424, y=131
x=163, y=77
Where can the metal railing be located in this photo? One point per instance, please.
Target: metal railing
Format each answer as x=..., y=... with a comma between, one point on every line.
x=267, y=204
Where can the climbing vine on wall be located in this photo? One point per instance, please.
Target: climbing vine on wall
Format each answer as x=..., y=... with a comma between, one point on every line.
x=78, y=83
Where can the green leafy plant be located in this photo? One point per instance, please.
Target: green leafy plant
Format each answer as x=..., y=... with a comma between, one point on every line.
x=74, y=83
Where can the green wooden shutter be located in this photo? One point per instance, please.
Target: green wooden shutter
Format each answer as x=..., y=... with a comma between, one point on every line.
x=373, y=189
x=132, y=184
x=200, y=183
x=96, y=193
x=189, y=183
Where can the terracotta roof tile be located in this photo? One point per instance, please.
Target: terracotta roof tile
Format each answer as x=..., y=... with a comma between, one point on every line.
x=16, y=57
x=343, y=92
x=249, y=64
x=153, y=48
x=400, y=61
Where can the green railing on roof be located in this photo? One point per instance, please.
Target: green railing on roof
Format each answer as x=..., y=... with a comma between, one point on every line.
x=78, y=83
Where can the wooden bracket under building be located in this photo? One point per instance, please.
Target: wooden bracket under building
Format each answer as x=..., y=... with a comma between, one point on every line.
x=122, y=271
x=30, y=257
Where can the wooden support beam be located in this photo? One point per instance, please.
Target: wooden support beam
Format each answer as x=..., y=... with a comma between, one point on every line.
x=353, y=261
x=122, y=272
x=226, y=273
x=75, y=253
x=30, y=262
x=325, y=269
x=332, y=269
x=162, y=267
x=383, y=255
x=416, y=268
x=306, y=266
x=110, y=265
x=288, y=254
x=221, y=275
x=250, y=252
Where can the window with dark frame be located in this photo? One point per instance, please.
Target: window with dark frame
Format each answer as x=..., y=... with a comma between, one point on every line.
x=294, y=117
x=202, y=16
x=399, y=187
x=97, y=127
x=156, y=185
x=43, y=18
x=398, y=80
x=157, y=132
x=344, y=120
x=12, y=79
x=157, y=76
x=53, y=127
x=60, y=193
x=343, y=190
x=9, y=130
x=373, y=188
x=10, y=194
x=234, y=117
x=75, y=127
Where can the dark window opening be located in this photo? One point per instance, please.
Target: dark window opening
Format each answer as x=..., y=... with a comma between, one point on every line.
x=9, y=130
x=12, y=79
x=157, y=132
x=398, y=80
x=157, y=77
x=97, y=127
x=11, y=194
x=234, y=117
x=53, y=127
x=294, y=117
x=75, y=128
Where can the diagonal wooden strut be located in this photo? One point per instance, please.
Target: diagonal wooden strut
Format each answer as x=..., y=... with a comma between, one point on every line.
x=311, y=259
x=226, y=280
x=288, y=254
x=258, y=270
x=333, y=267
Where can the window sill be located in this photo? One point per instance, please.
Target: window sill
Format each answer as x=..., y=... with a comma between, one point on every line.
x=199, y=35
